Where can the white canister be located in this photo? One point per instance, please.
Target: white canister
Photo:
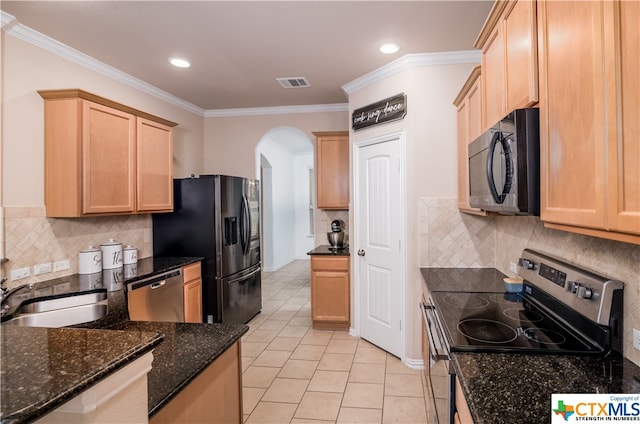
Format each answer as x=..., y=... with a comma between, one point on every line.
x=130, y=255
x=90, y=260
x=111, y=254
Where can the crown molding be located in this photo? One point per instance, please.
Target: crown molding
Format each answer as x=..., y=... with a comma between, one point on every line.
x=276, y=110
x=12, y=27
x=412, y=61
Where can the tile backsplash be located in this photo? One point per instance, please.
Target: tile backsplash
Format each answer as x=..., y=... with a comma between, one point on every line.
x=31, y=238
x=449, y=238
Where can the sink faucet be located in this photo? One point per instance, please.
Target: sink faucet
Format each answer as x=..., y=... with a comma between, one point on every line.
x=6, y=293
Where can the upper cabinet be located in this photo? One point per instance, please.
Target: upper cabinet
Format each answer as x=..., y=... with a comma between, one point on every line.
x=589, y=108
x=508, y=42
x=332, y=170
x=104, y=158
x=469, y=107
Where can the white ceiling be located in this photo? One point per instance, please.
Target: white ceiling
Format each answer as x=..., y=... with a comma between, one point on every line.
x=238, y=48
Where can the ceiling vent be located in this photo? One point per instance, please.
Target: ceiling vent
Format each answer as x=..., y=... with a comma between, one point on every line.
x=294, y=82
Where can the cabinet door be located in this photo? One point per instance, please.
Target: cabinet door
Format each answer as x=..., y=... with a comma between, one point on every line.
x=572, y=114
x=332, y=170
x=521, y=53
x=108, y=155
x=193, y=301
x=624, y=143
x=155, y=166
x=463, y=162
x=493, y=72
x=330, y=290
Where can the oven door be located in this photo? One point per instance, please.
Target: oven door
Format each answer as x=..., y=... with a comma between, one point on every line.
x=440, y=374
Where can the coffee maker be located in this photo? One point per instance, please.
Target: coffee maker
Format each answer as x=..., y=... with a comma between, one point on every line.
x=336, y=235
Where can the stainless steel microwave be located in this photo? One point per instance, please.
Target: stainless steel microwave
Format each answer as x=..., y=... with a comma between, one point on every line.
x=504, y=165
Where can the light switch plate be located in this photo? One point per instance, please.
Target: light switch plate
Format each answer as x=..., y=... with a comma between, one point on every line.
x=42, y=268
x=20, y=273
x=636, y=339
x=61, y=265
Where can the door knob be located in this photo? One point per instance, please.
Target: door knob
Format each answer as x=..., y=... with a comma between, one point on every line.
x=361, y=252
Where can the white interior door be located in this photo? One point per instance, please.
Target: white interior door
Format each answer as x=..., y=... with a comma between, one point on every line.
x=379, y=219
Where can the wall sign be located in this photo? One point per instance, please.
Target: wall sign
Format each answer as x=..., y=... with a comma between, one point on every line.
x=390, y=109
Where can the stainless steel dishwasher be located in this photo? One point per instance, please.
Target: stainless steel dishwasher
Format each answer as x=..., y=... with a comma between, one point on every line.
x=157, y=298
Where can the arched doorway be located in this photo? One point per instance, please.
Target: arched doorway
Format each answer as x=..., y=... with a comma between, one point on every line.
x=284, y=162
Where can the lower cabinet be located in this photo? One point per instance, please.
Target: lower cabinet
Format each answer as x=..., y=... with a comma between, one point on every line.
x=192, y=286
x=214, y=396
x=330, y=292
x=463, y=414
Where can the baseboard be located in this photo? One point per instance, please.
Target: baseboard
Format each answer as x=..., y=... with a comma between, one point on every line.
x=417, y=364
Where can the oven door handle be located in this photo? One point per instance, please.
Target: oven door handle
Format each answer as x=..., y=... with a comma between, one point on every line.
x=434, y=341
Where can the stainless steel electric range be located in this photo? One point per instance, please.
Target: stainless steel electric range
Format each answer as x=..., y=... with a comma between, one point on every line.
x=562, y=309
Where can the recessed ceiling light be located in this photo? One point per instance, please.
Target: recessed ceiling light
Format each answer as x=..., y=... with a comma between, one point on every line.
x=180, y=63
x=389, y=48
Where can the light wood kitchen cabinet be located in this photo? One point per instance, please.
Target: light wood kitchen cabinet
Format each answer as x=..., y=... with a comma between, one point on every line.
x=589, y=108
x=330, y=292
x=332, y=170
x=469, y=107
x=509, y=59
x=192, y=276
x=104, y=158
x=463, y=414
x=214, y=396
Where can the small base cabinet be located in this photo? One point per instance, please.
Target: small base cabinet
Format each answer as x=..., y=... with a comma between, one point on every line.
x=192, y=285
x=330, y=292
x=214, y=396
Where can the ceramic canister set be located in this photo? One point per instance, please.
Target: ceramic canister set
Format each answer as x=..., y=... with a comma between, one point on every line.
x=108, y=265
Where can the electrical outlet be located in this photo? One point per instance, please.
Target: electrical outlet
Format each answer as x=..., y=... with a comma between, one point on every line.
x=513, y=267
x=636, y=339
x=42, y=268
x=61, y=265
x=20, y=273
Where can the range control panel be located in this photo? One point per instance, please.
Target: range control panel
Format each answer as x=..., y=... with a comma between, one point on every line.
x=588, y=293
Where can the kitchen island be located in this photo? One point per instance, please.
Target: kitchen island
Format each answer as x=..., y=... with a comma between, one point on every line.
x=503, y=388
x=42, y=368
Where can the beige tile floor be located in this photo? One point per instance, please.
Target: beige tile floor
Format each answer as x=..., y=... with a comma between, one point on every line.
x=295, y=374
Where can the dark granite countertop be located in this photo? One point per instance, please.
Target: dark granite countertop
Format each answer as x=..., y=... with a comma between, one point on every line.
x=187, y=349
x=42, y=368
x=463, y=279
x=507, y=388
x=181, y=351
x=327, y=250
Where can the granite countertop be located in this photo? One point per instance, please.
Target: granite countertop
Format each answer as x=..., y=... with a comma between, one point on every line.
x=507, y=388
x=42, y=368
x=327, y=250
x=187, y=349
x=73, y=359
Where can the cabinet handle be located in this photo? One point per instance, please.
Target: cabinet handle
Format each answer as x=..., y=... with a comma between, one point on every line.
x=361, y=252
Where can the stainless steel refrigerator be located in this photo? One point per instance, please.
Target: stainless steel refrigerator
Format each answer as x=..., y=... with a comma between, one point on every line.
x=217, y=217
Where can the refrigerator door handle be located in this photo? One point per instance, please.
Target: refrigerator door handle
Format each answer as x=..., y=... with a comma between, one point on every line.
x=245, y=225
x=244, y=277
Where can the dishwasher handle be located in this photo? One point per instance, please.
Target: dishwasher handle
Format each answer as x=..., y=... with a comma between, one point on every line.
x=155, y=281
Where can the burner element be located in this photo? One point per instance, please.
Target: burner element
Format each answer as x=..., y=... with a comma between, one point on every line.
x=544, y=336
x=466, y=301
x=487, y=331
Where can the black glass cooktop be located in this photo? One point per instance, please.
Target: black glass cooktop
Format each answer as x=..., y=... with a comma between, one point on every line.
x=499, y=322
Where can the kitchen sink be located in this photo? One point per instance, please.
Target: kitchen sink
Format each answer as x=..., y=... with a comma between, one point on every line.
x=61, y=317
x=60, y=311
